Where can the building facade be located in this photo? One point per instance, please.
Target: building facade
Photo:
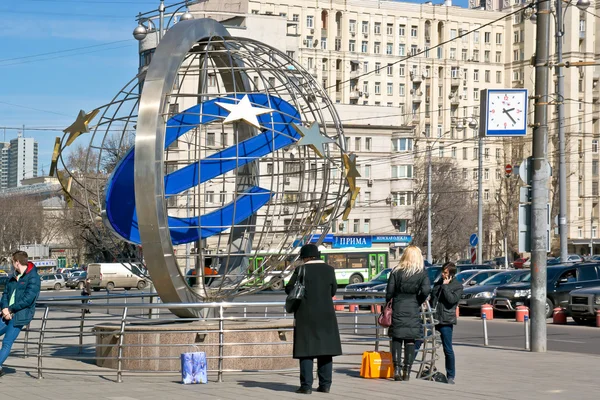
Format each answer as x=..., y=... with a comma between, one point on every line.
x=22, y=160
x=4, y=148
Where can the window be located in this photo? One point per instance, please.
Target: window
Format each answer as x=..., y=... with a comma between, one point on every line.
x=580, y=232
x=487, y=76
x=323, y=43
x=516, y=55
x=401, y=70
x=367, y=197
x=310, y=62
x=357, y=143
x=352, y=26
x=464, y=54
x=476, y=37
x=595, y=168
x=402, y=49
x=487, y=37
x=401, y=171
x=355, y=225
x=366, y=87
x=377, y=48
x=390, y=69
x=454, y=72
x=486, y=194
x=441, y=150
x=498, y=76
x=464, y=153
x=413, y=50
x=365, y=66
x=475, y=93
x=498, y=38
x=364, y=46
x=402, y=144
x=498, y=153
x=390, y=29
x=210, y=139
x=476, y=75
x=352, y=45
x=413, y=31
x=475, y=55
x=464, y=173
x=377, y=28
x=452, y=34
x=475, y=174
x=390, y=88
x=486, y=56
x=402, y=30
x=365, y=27
x=402, y=89
x=296, y=17
x=595, y=146
x=440, y=130
x=454, y=152
x=210, y=196
x=498, y=174
x=402, y=198
x=367, y=226
x=475, y=153
x=486, y=174
x=377, y=87
x=588, y=273
x=389, y=49
x=486, y=153
x=367, y=170
x=377, y=68
x=498, y=57
x=310, y=21
x=452, y=53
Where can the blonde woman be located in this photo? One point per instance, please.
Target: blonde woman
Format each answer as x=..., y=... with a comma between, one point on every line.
x=408, y=287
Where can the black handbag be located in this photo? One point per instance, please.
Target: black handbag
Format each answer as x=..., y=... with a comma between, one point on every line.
x=292, y=302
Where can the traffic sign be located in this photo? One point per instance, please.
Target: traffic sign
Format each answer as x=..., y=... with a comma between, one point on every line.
x=473, y=240
x=508, y=169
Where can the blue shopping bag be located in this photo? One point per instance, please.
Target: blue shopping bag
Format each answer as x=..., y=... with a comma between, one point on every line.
x=193, y=368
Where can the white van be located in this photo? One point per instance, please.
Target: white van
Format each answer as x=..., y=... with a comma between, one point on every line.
x=115, y=275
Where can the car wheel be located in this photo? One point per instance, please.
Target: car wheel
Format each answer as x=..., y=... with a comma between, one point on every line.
x=110, y=286
x=275, y=286
x=57, y=286
x=80, y=286
x=356, y=278
x=141, y=285
x=549, y=308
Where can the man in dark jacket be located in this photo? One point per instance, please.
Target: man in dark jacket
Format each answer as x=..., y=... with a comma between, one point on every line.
x=18, y=302
x=445, y=296
x=316, y=333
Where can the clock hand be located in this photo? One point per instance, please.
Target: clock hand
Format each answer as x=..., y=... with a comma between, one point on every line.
x=510, y=109
x=509, y=116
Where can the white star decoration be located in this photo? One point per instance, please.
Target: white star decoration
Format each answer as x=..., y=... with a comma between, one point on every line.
x=312, y=137
x=243, y=111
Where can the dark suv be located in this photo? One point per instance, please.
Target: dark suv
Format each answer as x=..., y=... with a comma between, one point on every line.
x=561, y=280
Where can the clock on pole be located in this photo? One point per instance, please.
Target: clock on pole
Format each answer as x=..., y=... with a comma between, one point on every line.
x=503, y=112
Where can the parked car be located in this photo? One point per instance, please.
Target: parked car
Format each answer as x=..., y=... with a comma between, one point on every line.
x=115, y=275
x=3, y=281
x=474, y=297
x=473, y=277
x=561, y=280
x=463, y=261
x=77, y=281
x=574, y=258
x=518, y=263
x=379, y=281
x=52, y=281
x=584, y=304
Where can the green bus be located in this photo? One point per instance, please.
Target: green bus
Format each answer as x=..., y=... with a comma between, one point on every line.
x=352, y=265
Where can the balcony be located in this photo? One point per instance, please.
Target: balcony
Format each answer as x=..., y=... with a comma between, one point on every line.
x=323, y=33
x=354, y=95
x=416, y=118
x=455, y=80
x=417, y=96
x=313, y=71
x=455, y=100
x=416, y=77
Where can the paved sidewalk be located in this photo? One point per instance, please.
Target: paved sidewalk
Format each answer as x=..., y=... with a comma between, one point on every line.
x=483, y=373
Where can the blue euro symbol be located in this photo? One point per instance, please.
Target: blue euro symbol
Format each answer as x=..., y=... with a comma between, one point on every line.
x=120, y=191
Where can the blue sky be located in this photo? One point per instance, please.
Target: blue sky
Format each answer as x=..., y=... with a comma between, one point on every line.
x=42, y=84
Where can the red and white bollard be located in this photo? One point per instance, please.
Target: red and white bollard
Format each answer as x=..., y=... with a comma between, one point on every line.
x=559, y=316
x=598, y=318
x=353, y=308
x=457, y=312
x=521, y=312
x=488, y=310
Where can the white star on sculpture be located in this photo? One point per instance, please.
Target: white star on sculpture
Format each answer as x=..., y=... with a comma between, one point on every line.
x=312, y=137
x=243, y=111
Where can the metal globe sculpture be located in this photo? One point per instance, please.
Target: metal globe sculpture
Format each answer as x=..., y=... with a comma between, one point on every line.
x=237, y=156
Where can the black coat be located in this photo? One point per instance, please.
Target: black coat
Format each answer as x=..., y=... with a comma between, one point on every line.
x=445, y=299
x=316, y=330
x=408, y=293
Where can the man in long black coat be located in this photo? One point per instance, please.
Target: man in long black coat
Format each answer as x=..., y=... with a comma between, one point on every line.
x=316, y=333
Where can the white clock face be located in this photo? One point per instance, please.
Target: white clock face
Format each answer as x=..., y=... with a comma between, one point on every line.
x=507, y=111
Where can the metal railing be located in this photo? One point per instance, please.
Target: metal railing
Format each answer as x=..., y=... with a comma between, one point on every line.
x=64, y=330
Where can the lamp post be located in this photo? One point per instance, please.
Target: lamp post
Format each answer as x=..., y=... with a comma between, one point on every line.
x=559, y=15
x=141, y=31
x=473, y=124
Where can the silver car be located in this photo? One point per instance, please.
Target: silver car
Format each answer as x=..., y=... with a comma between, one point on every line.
x=53, y=281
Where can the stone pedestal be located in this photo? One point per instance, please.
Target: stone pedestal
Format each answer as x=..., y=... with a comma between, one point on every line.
x=251, y=345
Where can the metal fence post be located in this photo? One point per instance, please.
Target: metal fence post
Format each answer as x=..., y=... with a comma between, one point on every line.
x=221, y=340
x=526, y=322
x=356, y=320
x=485, y=332
x=41, y=342
x=81, y=324
x=26, y=344
x=120, y=347
x=376, y=334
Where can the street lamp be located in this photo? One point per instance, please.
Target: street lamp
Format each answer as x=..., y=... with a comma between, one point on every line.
x=141, y=31
x=473, y=124
x=559, y=16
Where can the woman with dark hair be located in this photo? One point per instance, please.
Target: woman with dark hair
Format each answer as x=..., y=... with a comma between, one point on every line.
x=445, y=296
x=316, y=333
x=408, y=287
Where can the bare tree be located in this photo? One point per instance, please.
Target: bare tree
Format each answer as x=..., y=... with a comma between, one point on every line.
x=21, y=222
x=454, y=212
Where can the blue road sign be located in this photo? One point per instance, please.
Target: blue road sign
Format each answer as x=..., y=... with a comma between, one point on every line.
x=473, y=240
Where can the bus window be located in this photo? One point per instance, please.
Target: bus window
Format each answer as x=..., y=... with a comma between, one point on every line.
x=357, y=261
x=372, y=264
x=382, y=262
x=337, y=260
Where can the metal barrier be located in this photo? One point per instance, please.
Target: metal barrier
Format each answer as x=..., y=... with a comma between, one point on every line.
x=63, y=330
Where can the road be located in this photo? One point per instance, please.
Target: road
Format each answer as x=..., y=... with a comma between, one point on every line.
x=503, y=331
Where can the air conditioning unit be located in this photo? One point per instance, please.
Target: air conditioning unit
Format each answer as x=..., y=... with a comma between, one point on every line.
x=286, y=210
x=360, y=94
x=286, y=181
x=312, y=31
x=305, y=42
x=412, y=91
x=366, y=95
x=464, y=83
x=370, y=182
x=366, y=35
x=352, y=34
x=315, y=44
x=425, y=74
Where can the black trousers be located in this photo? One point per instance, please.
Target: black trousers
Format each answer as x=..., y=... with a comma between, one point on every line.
x=324, y=371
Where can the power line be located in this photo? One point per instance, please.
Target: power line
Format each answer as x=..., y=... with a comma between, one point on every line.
x=63, y=51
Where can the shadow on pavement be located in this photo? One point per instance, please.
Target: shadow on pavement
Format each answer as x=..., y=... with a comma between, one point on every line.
x=274, y=386
x=349, y=372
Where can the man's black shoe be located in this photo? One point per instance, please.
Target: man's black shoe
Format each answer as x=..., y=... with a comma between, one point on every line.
x=303, y=390
x=323, y=389
x=2, y=372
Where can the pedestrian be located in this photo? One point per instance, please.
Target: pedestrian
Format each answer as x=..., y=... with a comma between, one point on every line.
x=18, y=302
x=86, y=292
x=445, y=296
x=408, y=287
x=316, y=333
